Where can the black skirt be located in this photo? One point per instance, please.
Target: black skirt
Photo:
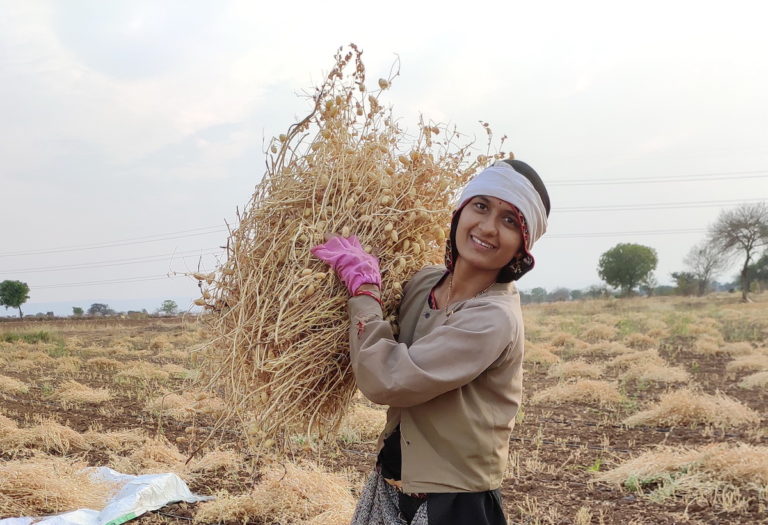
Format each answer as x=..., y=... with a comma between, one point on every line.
x=444, y=508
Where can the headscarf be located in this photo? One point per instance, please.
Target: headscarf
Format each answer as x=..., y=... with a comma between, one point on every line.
x=518, y=184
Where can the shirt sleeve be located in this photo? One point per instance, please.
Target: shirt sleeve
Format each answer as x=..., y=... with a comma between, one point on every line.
x=448, y=357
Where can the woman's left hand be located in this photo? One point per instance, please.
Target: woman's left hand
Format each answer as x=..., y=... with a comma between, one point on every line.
x=351, y=262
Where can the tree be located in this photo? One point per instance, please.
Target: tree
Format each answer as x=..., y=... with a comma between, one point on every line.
x=743, y=229
x=538, y=295
x=627, y=265
x=77, y=311
x=705, y=261
x=14, y=294
x=169, y=307
x=687, y=283
x=759, y=270
x=559, y=294
x=100, y=309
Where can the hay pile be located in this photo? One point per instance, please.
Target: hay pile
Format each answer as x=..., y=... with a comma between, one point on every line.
x=690, y=407
x=48, y=485
x=698, y=472
x=278, y=316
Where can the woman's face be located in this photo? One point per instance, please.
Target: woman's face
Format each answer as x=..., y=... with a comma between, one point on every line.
x=487, y=235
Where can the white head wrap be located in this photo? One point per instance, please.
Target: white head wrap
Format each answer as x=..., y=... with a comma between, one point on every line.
x=502, y=181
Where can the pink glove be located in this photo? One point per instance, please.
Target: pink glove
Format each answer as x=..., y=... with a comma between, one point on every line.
x=354, y=266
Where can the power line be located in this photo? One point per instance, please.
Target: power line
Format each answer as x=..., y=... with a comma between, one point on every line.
x=125, y=242
x=657, y=205
x=626, y=233
x=112, y=262
x=109, y=281
x=725, y=175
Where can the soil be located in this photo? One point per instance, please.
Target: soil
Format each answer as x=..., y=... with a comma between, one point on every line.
x=556, y=447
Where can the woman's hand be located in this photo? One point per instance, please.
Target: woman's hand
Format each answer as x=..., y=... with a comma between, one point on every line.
x=353, y=265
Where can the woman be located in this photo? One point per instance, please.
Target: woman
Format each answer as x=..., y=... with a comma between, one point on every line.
x=453, y=376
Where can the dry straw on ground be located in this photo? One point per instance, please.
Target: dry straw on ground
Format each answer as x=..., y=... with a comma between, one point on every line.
x=9, y=385
x=711, y=470
x=362, y=423
x=539, y=354
x=575, y=368
x=748, y=363
x=689, y=407
x=277, y=315
x=757, y=380
x=656, y=373
x=583, y=391
x=48, y=436
x=74, y=393
x=288, y=493
x=47, y=485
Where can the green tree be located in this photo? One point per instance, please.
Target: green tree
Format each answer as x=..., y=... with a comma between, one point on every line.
x=100, y=309
x=77, y=311
x=627, y=265
x=14, y=294
x=687, y=283
x=169, y=307
x=743, y=229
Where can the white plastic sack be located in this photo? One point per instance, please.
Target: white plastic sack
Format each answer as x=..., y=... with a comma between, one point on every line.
x=138, y=494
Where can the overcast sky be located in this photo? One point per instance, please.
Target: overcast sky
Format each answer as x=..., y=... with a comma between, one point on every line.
x=131, y=130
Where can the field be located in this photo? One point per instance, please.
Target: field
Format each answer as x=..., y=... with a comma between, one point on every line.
x=679, y=383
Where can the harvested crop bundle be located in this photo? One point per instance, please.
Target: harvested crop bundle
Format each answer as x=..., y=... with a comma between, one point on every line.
x=279, y=351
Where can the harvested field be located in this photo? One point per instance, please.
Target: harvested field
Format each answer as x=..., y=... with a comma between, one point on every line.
x=572, y=459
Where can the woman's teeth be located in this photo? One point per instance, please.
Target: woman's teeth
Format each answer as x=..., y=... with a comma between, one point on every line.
x=481, y=243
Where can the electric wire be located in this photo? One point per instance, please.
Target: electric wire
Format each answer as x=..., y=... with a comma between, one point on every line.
x=125, y=242
x=701, y=177
x=116, y=262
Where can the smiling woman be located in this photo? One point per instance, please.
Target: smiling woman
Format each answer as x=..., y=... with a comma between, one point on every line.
x=452, y=377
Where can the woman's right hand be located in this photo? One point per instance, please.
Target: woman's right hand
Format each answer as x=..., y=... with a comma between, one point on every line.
x=351, y=262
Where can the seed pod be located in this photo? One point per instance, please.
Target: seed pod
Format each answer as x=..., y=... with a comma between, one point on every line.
x=406, y=244
x=206, y=294
x=210, y=277
x=403, y=160
x=305, y=272
x=416, y=248
x=326, y=133
x=345, y=231
x=386, y=200
x=393, y=235
x=283, y=137
x=199, y=276
x=309, y=290
x=383, y=84
x=401, y=262
x=316, y=146
x=368, y=248
x=273, y=148
x=388, y=227
x=307, y=212
x=199, y=302
x=350, y=203
x=396, y=286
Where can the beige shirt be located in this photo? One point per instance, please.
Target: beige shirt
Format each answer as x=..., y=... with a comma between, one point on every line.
x=453, y=382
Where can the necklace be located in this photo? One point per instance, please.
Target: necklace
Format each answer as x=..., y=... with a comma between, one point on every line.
x=448, y=312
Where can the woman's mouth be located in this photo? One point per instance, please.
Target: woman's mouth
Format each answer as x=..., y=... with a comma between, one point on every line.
x=482, y=244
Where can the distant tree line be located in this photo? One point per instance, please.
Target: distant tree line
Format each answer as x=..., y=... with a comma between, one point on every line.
x=740, y=234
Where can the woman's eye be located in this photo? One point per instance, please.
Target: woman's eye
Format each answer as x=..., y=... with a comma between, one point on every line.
x=480, y=205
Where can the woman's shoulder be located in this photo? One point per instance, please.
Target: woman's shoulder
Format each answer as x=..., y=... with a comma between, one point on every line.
x=427, y=275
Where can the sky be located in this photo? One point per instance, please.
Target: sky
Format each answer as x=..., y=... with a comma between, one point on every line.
x=132, y=131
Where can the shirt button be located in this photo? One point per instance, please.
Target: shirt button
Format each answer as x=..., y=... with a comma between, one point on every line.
x=426, y=315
